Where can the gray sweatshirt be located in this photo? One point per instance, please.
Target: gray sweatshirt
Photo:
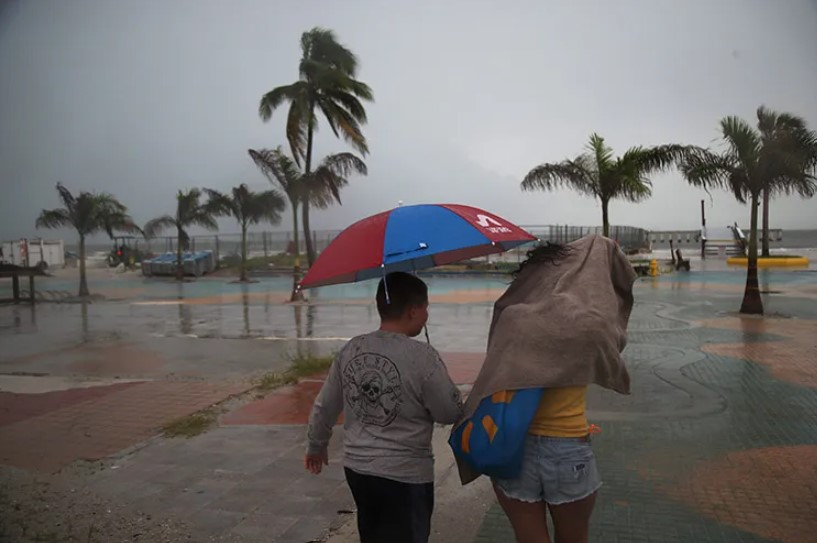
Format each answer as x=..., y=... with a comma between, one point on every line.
x=391, y=390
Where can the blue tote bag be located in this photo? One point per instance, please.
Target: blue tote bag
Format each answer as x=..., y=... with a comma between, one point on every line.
x=492, y=440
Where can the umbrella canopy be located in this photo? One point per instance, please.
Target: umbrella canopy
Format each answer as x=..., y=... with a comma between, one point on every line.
x=412, y=238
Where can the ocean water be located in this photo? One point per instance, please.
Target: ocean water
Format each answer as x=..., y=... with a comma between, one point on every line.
x=792, y=239
x=797, y=239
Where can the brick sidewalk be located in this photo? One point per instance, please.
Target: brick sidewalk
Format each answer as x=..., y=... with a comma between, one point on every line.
x=93, y=423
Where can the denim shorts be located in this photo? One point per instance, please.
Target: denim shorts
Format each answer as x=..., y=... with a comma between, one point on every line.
x=556, y=470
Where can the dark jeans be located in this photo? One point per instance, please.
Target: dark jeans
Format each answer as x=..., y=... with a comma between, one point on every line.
x=389, y=511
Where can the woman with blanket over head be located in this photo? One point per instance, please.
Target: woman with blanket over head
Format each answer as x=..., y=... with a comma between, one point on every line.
x=559, y=327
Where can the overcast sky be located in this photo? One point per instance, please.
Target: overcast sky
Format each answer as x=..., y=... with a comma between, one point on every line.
x=141, y=98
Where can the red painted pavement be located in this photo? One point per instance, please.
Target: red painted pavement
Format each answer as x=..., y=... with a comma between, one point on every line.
x=100, y=426
x=15, y=407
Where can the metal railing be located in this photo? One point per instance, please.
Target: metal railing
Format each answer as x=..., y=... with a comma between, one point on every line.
x=629, y=237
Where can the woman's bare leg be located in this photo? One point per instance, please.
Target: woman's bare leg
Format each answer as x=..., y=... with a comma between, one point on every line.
x=529, y=520
x=571, y=521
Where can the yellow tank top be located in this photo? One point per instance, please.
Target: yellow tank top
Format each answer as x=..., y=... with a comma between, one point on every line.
x=561, y=413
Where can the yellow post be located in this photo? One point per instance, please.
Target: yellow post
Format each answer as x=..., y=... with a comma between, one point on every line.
x=653, y=268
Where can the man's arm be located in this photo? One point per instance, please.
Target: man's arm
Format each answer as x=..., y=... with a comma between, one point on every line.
x=440, y=395
x=325, y=411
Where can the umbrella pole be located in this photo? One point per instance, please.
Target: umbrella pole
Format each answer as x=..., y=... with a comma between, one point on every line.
x=385, y=285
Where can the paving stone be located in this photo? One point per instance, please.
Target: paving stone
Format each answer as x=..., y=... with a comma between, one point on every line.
x=310, y=529
x=214, y=522
x=264, y=527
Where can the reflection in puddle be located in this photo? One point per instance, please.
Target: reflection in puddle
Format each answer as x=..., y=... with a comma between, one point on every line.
x=185, y=312
x=86, y=335
x=245, y=302
x=185, y=319
x=310, y=320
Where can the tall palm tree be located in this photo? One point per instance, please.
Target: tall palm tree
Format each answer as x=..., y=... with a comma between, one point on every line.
x=326, y=83
x=780, y=129
x=320, y=188
x=748, y=166
x=599, y=174
x=189, y=212
x=88, y=213
x=279, y=169
x=248, y=207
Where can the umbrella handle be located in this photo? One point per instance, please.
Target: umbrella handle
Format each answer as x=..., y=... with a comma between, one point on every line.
x=425, y=327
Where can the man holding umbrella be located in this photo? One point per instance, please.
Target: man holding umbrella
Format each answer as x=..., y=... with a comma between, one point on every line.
x=391, y=390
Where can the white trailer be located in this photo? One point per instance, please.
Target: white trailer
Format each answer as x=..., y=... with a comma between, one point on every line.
x=49, y=253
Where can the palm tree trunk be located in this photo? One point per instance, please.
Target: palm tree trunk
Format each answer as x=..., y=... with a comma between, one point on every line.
x=752, y=303
x=296, y=264
x=605, y=218
x=83, y=280
x=179, y=263
x=765, y=244
x=243, y=271
x=310, y=250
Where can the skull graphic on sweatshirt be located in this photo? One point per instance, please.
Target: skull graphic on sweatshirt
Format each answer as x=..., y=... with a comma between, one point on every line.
x=372, y=388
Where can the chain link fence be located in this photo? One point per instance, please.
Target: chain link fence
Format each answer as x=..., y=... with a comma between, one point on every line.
x=259, y=244
x=265, y=244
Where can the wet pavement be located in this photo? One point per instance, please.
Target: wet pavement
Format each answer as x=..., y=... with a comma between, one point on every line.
x=717, y=442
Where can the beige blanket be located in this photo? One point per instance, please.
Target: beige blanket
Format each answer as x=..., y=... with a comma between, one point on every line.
x=560, y=324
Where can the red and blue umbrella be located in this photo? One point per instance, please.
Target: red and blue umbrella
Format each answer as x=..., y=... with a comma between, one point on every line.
x=412, y=238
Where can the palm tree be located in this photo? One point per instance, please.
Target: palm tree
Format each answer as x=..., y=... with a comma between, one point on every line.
x=320, y=188
x=748, y=166
x=189, y=212
x=326, y=83
x=777, y=129
x=248, y=207
x=88, y=213
x=599, y=174
x=278, y=168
